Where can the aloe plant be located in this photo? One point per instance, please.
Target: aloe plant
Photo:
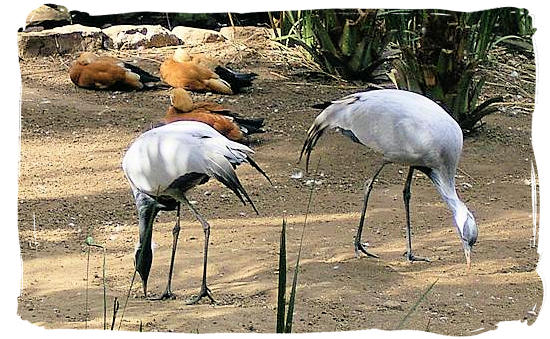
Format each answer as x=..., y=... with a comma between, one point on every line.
x=345, y=43
x=442, y=56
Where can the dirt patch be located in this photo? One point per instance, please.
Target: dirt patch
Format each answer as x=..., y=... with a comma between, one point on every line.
x=71, y=185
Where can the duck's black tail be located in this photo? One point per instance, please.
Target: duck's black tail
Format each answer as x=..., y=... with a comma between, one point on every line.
x=247, y=125
x=251, y=126
x=236, y=80
x=147, y=79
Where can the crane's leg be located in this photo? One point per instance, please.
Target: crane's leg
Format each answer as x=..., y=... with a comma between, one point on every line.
x=205, y=291
x=406, y=199
x=368, y=187
x=175, y=233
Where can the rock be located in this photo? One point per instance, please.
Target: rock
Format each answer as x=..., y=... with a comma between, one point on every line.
x=195, y=36
x=146, y=36
x=297, y=175
x=48, y=13
x=244, y=32
x=393, y=305
x=60, y=40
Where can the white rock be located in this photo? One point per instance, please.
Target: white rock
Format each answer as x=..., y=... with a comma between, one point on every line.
x=195, y=36
x=297, y=175
x=67, y=39
x=135, y=36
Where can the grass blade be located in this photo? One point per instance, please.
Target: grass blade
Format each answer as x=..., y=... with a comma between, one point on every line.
x=126, y=301
x=115, y=311
x=292, y=298
x=282, y=282
x=411, y=311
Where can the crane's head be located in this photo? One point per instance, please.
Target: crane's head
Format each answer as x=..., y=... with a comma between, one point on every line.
x=147, y=210
x=144, y=259
x=467, y=229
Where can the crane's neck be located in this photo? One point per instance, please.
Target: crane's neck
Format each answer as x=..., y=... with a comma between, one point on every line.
x=447, y=190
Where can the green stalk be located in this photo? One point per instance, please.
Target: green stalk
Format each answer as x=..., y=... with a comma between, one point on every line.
x=282, y=282
x=422, y=297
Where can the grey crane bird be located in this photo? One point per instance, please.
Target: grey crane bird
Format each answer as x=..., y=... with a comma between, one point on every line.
x=407, y=128
x=164, y=163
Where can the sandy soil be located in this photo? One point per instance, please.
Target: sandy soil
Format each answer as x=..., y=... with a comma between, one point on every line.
x=71, y=186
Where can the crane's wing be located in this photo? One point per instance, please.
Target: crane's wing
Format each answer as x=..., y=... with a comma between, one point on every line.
x=160, y=156
x=403, y=126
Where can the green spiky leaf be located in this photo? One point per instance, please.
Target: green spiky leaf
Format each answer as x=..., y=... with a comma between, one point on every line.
x=282, y=282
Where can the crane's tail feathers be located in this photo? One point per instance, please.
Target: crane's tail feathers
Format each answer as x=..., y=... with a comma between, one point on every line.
x=258, y=168
x=313, y=136
x=237, y=80
x=322, y=105
x=223, y=172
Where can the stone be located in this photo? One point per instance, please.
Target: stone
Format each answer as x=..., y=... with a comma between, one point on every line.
x=393, y=305
x=244, y=32
x=195, y=36
x=60, y=40
x=144, y=36
x=48, y=13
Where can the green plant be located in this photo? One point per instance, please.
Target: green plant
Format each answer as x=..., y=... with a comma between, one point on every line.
x=281, y=295
x=285, y=325
x=515, y=21
x=413, y=309
x=345, y=43
x=441, y=55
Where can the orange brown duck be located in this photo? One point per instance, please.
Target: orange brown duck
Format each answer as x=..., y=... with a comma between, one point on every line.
x=230, y=125
x=199, y=73
x=105, y=72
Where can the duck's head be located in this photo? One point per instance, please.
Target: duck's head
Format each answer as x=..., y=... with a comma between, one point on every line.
x=180, y=99
x=181, y=55
x=86, y=58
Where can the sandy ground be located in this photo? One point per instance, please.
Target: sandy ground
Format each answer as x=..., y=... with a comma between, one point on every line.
x=71, y=186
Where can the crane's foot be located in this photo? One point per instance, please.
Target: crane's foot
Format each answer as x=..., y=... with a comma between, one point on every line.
x=362, y=247
x=167, y=295
x=411, y=257
x=205, y=292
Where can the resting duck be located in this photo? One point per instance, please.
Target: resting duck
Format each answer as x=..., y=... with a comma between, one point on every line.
x=229, y=124
x=105, y=72
x=199, y=73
